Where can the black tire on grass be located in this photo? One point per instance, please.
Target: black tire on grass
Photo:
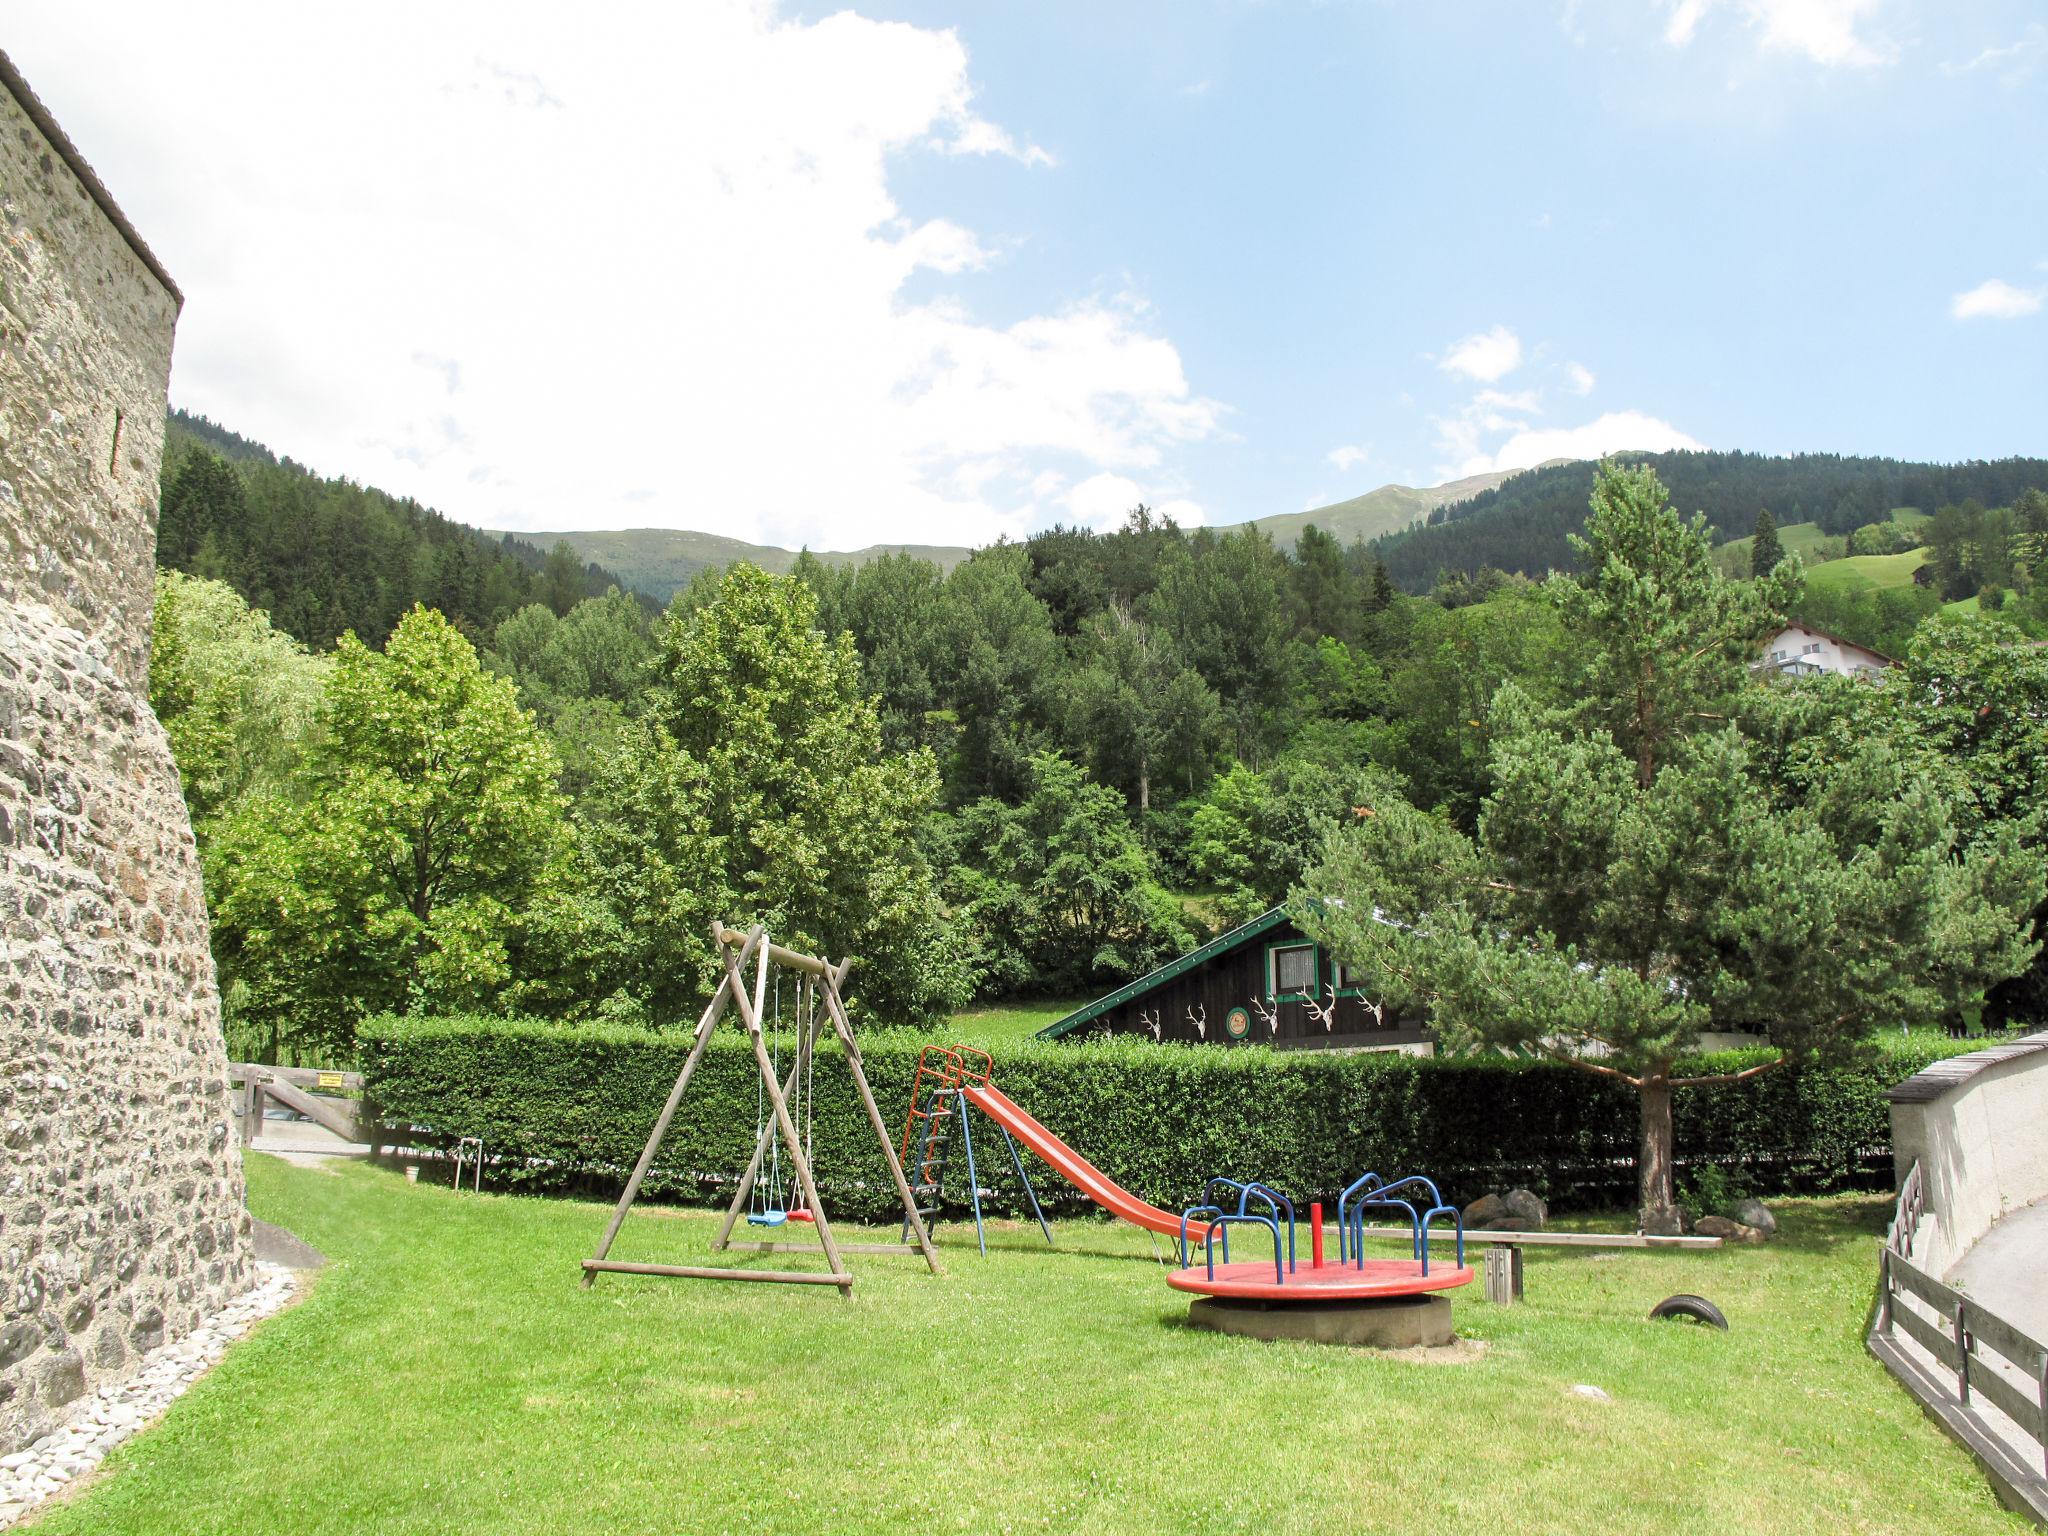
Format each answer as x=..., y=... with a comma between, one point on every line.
x=1687, y=1305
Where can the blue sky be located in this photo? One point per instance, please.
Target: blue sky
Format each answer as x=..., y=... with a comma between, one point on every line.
x=938, y=273
x=1756, y=245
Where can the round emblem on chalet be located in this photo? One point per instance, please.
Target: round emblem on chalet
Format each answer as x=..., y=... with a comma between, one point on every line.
x=1239, y=1023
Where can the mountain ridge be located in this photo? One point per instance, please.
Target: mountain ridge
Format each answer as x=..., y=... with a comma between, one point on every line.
x=661, y=561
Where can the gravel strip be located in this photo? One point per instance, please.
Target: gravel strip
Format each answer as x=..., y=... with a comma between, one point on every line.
x=104, y=1420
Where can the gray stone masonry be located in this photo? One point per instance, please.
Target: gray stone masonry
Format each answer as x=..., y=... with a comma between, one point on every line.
x=121, y=1215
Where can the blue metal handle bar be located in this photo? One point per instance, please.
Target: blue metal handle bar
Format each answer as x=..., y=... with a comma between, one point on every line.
x=1186, y=1216
x=1358, y=1221
x=1382, y=1195
x=1240, y=1189
x=1245, y=1190
x=1368, y=1183
x=1430, y=1215
x=1223, y=1224
x=1276, y=1201
x=1414, y=1178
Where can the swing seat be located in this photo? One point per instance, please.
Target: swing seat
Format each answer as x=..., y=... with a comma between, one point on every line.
x=798, y=1216
x=766, y=1218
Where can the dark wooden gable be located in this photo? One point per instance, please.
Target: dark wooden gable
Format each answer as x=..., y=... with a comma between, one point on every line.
x=1264, y=983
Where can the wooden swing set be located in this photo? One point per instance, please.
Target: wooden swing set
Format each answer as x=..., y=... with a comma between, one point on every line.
x=818, y=981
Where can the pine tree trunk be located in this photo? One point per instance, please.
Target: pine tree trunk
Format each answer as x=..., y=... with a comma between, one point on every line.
x=1144, y=785
x=1657, y=1197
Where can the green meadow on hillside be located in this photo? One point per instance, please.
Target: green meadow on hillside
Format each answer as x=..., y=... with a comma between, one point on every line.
x=1864, y=573
x=1807, y=541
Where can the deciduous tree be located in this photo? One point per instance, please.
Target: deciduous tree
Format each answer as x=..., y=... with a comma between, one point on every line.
x=429, y=836
x=757, y=789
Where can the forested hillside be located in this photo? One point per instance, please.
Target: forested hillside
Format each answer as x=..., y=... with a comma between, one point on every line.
x=1039, y=771
x=662, y=561
x=1524, y=525
x=325, y=556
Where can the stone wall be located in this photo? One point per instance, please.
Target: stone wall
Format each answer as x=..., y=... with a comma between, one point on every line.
x=121, y=1214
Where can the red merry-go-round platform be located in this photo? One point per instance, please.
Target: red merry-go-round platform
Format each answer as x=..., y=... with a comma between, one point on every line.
x=1375, y=1280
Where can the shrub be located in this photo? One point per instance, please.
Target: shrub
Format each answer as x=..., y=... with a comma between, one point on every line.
x=569, y=1107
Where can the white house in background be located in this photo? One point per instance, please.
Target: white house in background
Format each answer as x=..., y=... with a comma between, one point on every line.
x=1800, y=650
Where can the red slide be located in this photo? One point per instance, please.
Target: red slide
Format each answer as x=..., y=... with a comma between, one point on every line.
x=1072, y=1166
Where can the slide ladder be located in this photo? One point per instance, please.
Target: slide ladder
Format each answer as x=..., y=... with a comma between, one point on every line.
x=939, y=1097
x=950, y=1080
x=1072, y=1166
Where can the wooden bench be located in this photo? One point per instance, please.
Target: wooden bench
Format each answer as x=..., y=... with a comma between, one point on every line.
x=1503, y=1264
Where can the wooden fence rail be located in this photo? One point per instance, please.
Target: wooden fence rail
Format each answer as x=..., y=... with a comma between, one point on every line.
x=1989, y=1360
x=297, y=1088
x=1983, y=1350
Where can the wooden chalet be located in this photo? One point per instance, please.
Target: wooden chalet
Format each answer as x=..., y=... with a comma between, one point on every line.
x=1262, y=983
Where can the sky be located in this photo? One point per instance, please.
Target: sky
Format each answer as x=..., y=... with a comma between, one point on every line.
x=941, y=273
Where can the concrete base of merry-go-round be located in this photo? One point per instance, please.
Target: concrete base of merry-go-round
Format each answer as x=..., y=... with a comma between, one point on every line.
x=1382, y=1304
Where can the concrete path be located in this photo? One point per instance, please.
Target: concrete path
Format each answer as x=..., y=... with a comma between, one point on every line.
x=2007, y=1270
x=302, y=1138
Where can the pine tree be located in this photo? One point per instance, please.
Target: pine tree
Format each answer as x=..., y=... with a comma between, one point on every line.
x=1766, y=553
x=1637, y=878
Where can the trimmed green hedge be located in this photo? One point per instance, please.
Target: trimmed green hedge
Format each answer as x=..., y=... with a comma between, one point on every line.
x=569, y=1107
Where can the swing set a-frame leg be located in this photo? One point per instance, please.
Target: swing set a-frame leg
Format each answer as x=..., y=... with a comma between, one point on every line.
x=750, y=1016
x=806, y=1048
x=705, y=1026
x=844, y=1027
x=737, y=949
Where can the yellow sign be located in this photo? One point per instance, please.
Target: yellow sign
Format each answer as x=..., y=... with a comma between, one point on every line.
x=329, y=1082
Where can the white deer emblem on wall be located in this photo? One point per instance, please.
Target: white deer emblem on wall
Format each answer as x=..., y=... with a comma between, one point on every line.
x=1324, y=1014
x=1270, y=1017
x=1201, y=1024
x=1151, y=1022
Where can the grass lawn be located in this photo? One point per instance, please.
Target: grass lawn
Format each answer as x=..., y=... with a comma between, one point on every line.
x=1820, y=551
x=1001, y=1024
x=446, y=1375
x=1864, y=573
x=1803, y=539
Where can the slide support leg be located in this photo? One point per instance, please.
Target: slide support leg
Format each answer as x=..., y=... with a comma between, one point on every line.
x=973, y=1179
x=1030, y=1194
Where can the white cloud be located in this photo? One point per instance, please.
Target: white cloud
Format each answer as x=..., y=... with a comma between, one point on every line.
x=1825, y=31
x=1349, y=456
x=1611, y=433
x=944, y=246
x=977, y=136
x=1685, y=20
x=1487, y=356
x=1996, y=299
x=640, y=265
x=1102, y=502
x=2013, y=62
x=1579, y=378
x=1496, y=407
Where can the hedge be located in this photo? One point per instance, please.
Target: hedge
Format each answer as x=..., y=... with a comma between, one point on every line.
x=563, y=1107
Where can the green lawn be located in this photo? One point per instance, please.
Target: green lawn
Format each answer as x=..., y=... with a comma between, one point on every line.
x=446, y=1375
x=1000, y=1024
x=1820, y=551
x=1865, y=573
x=1802, y=539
